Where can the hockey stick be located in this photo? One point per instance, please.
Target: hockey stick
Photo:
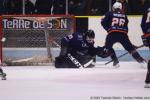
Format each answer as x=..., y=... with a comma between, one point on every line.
x=123, y=54
x=77, y=63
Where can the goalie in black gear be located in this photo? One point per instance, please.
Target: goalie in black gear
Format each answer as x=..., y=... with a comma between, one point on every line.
x=79, y=46
x=145, y=25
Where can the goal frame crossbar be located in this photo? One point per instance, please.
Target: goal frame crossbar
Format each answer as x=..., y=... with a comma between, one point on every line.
x=45, y=28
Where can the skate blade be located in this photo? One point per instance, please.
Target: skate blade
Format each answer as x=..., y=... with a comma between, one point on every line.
x=143, y=65
x=4, y=79
x=3, y=76
x=116, y=66
x=147, y=85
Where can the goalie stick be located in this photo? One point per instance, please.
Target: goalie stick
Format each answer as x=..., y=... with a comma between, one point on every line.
x=77, y=63
x=123, y=55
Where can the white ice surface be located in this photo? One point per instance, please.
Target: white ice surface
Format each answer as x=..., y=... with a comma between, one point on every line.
x=48, y=83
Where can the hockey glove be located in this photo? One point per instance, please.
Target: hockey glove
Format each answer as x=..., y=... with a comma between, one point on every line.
x=102, y=52
x=146, y=40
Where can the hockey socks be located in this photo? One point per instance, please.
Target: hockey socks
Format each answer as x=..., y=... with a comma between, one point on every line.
x=148, y=74
x=115, y=60
x=137, y=57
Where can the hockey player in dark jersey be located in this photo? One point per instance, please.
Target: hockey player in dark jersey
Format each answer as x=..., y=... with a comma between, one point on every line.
x=116, y=24
x=80, y=48
x=145, y=25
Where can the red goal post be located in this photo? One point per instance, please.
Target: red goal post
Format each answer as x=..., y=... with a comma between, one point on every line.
x=33, y=39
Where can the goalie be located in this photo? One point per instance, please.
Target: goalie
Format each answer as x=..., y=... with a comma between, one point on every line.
x=77, y=50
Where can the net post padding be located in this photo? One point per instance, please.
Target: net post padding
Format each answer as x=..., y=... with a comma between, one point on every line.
x=34, y=40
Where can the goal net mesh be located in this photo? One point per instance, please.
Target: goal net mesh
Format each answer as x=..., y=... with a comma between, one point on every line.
x=34, y=40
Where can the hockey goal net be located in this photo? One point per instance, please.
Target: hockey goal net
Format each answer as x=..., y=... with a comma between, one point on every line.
x=32, y=39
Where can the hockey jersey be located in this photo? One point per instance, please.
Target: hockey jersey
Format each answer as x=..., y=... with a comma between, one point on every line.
x=145, y=24
x=115, y=22
x=77, y=44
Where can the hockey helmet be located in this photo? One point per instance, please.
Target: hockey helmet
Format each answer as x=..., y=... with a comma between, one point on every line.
x=90, y=33
x=117, y=5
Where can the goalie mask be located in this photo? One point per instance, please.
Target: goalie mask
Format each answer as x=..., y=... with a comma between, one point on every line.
x=90, y=35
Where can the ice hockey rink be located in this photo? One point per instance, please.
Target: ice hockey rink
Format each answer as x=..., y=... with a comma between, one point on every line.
x=99, y=83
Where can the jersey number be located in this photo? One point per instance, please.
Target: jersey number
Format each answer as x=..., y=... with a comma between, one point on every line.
x=148, y=18
x=118, y=21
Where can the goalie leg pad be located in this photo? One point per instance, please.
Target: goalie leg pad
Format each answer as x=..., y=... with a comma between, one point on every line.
x=60, y=62
x=64, y=62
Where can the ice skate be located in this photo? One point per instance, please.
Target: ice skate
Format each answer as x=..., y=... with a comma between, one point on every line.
x=143, y=64
x=147, y=80
x=91, y=65
x=116, y=64
x=3, y=76
x=147, y=85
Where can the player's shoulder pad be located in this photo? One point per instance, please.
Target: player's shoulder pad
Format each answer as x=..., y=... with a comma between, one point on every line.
x=108, y=14
x=77, y=35
x=70, y=36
